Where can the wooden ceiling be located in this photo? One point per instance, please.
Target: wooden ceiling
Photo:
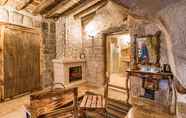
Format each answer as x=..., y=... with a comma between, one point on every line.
x=55, y=8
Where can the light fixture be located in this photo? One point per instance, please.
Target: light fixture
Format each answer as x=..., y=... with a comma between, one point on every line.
x=90, y=29
x=125, y=39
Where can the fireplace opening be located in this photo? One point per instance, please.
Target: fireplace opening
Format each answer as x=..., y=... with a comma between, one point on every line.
x=75, y=73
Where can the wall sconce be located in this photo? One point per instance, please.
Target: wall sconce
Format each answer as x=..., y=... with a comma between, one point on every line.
x=90, y=29
x=125, y=39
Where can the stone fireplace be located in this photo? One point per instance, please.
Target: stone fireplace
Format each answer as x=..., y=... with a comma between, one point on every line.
x=70, y=72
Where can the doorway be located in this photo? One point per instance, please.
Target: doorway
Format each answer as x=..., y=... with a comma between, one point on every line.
x=118, y=59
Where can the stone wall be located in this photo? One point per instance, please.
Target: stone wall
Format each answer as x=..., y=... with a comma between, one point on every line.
x=71, y=40
x=170, y=19
x=48, y=51
x=174, y=25
x=23, y=18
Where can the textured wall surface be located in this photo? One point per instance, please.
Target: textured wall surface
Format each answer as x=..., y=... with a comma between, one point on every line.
x=70, y=42
x=48, y=51
x=174, y=18
x=170, y=18
x=23, y=18
x=47, y=28
x=144, y=28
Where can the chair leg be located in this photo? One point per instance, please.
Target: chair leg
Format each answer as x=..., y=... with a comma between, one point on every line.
x=83, y=114
x=106, y=114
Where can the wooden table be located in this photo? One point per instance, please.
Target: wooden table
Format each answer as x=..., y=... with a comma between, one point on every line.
x=158, y=76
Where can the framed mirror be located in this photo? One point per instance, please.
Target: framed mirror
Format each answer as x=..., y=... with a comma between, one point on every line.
x=147, y=49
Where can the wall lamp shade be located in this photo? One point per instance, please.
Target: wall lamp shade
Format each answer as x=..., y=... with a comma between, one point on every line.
x=125, y=39
x=91, y=29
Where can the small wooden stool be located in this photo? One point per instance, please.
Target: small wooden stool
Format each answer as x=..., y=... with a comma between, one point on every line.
x=93, y=102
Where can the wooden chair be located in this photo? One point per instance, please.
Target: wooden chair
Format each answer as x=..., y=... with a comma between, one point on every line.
x=92, y=102
x=58, y=97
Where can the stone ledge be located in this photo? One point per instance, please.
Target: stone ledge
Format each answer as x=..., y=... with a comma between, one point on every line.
x=65, y=61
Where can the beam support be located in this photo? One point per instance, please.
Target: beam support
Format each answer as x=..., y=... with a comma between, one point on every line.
x=3, y=2
x=62, y=7
x=23, y=4
x=45, y=5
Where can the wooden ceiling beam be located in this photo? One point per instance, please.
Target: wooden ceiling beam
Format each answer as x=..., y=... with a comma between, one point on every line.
x=61, y=8
x=58, y=6
x=45, y=5
x=3, y=2
x=90, y=8
x=23, y=4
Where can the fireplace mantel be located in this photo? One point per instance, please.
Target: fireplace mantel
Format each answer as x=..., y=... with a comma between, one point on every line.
x=69, y=61
x=62, y=71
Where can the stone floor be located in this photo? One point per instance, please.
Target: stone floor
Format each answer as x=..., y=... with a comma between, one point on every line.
x=15, y=108
x=117, y=79
x=139, y=112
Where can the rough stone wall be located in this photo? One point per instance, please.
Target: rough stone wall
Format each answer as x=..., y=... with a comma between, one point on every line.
x=71, y=41
x=48, y=51
x=60, y=37
x=174, y=19
x=170, y=18
x=175, y=26
x=10, y=15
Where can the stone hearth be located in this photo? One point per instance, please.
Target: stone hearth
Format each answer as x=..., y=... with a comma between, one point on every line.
x=63, y=68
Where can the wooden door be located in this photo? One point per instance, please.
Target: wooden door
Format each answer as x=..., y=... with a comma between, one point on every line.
x=21, y=61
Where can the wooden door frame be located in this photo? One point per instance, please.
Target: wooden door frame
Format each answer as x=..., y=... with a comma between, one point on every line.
x=111, y=31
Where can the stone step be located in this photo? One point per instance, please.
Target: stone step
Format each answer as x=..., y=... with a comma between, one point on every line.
x=116, y=109
x=118, y=89
x=119, y=104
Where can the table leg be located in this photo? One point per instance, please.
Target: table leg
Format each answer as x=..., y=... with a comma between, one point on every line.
x=172, y=93
x=127, y=87
x=75, y=102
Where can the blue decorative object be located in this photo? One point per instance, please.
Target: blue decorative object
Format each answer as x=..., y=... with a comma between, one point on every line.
x=144, y=53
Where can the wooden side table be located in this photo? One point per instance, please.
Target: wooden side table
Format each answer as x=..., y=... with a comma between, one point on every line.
x=158, y=76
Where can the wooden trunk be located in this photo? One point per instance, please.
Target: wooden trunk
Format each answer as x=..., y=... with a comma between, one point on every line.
x=19, y=60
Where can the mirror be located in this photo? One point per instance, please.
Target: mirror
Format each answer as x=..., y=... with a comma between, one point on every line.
x=148, y=49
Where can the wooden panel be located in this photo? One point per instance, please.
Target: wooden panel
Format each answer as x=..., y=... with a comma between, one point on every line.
x=89, y=101
x=1, y=65
x=94, y=101
x=84, y=101
x=103, y=102
x=21, y=61
x=99, y=103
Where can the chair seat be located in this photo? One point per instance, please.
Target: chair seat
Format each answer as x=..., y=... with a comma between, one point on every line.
x=93, y=102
